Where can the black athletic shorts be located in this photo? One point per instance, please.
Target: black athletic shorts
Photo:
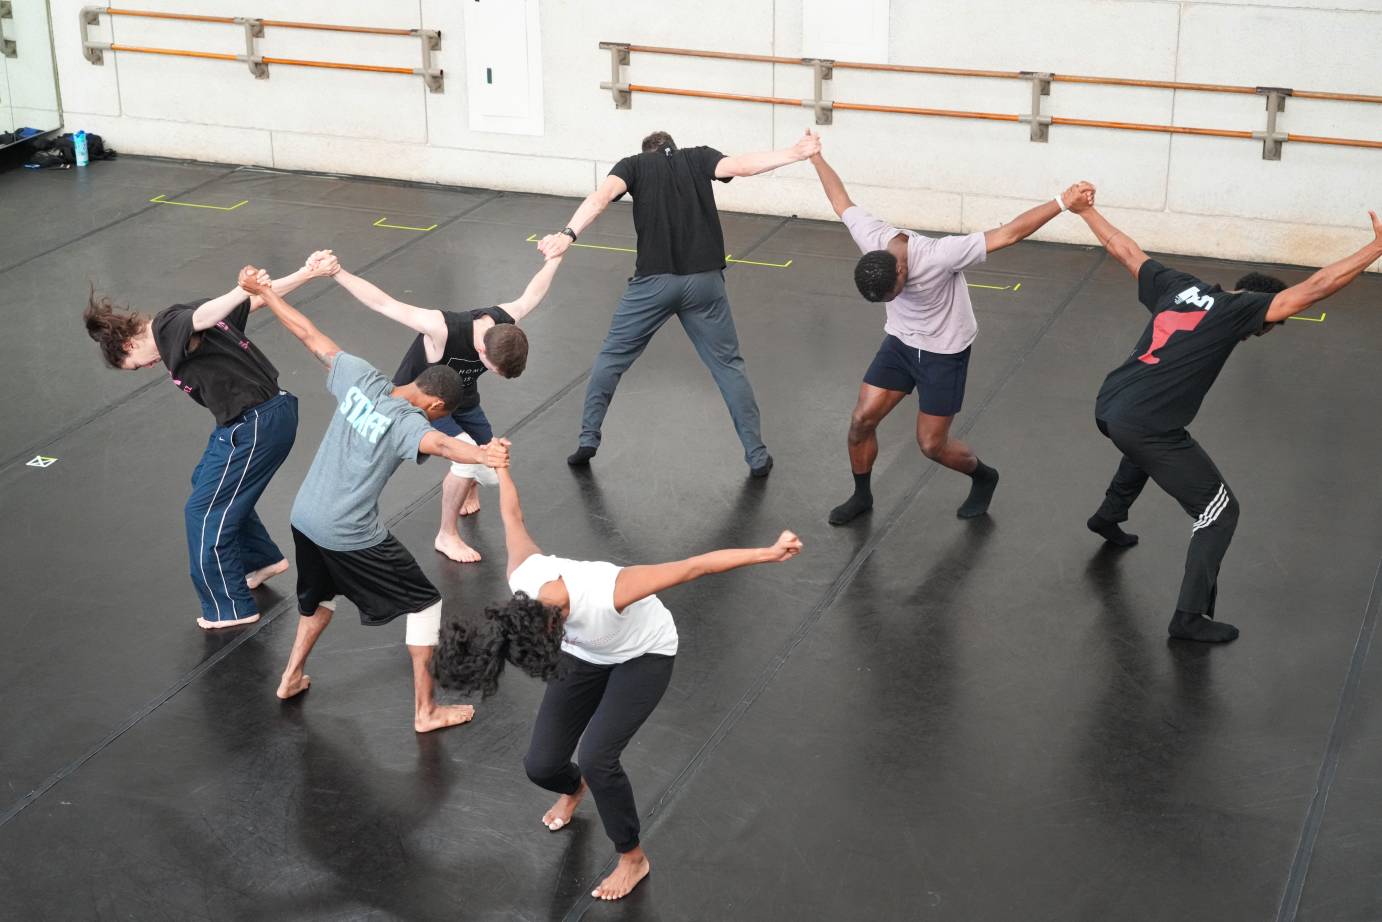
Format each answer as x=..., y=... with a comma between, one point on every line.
x=384, y=581
x=939, y=379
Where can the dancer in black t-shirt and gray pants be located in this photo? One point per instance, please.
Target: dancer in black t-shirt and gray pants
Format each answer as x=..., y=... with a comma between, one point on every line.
x=470, y=342
x=1146, y=403
x=679, y=272
x=210, y=359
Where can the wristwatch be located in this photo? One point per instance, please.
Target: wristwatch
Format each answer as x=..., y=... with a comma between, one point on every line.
x=570, y=233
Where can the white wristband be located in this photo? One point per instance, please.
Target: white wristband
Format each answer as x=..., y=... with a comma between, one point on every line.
x=1061, y=203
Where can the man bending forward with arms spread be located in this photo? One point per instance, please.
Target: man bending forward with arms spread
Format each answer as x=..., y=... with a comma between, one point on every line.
x=680, y=271
x=342, y=548
x=930, y=329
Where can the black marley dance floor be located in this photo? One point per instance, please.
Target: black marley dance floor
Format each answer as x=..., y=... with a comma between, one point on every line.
x=922, y=718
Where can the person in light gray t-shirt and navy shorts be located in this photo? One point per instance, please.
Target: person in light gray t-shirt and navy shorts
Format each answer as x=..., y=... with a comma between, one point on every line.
x=930, y=330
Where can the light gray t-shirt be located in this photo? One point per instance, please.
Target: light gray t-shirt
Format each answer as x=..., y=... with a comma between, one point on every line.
x=370, y=435
x=933, y=312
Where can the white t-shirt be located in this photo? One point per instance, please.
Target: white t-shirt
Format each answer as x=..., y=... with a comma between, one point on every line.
x=595, y=632
x=933, y=312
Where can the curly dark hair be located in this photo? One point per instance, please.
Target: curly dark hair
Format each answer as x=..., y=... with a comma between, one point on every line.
x=1256, y=281
x=876, y=274
x=522, y=631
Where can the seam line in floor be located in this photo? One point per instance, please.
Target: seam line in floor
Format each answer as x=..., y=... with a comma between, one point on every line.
x=832, y=593
x=1333, y=754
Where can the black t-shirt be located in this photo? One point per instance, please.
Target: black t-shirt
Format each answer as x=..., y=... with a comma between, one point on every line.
x=1193, y=329
x=219, y=368
x=459, y=353
x=674, y=210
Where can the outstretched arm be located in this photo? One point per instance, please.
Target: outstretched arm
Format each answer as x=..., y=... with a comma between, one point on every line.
x=834, y=188
x=218, y=309
x=430, y=323
x=594, y=205
x=752, y=164
x=1328, y=280
x=537, y=289
x=495, y=454
x=634, y=583
x=315, y=340
x=521, y=546
x=1119, y=245
x=1033, y=219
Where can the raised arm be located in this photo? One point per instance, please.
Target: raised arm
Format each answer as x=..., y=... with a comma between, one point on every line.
x=639, y=582
x=807, y=146
x=521, y=546
x=537, y=289
x=594, y=205
x=430, y=323
x=218, y=309
x=315, y=340
x=834, y=188
x=1033, y=219
x=1328, y=280
x=1119, y=245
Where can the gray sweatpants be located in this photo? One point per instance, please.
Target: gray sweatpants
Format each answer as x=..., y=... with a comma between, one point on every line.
x=699, y=302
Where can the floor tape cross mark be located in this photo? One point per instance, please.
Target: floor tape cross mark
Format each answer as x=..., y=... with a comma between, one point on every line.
x=381, y=223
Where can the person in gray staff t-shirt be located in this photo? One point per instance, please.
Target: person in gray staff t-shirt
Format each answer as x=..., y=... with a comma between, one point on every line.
x=342, y=547
x=929, y=330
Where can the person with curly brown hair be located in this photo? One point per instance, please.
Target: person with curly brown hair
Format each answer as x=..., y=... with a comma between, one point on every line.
x=211, y=359
x=604, y=643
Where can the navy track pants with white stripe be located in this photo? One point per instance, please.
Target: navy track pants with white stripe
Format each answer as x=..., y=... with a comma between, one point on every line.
x=1182, y=468
x=225, y=538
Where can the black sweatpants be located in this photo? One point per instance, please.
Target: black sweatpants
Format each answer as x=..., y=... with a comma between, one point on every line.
x=1182, y=468
x=607, y=704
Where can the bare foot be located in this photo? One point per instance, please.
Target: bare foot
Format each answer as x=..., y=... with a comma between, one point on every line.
x=229, y=622
x=293, y=685
x=471, y=504
x=560, y=815
x=439, y=718
x=259, y=577
x=453, y=547
x=633, y=866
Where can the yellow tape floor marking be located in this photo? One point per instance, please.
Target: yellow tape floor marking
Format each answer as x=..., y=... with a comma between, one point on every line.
x=380, y=223
x=1319, y=319
x=160, y=200
x=729, y=258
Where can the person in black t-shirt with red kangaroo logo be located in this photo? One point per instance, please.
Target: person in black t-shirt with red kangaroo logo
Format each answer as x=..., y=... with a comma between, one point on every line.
x=1146, y=403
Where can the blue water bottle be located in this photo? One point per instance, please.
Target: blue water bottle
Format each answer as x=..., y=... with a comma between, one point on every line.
x=79, y=147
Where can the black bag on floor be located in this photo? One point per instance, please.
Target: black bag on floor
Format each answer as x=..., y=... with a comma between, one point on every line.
x=62, y=150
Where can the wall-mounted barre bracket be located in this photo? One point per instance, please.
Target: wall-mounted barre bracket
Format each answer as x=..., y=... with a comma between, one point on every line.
x=618, y=58
x=89, y=16
x=8, y=47
x=1271, y=138
x=822, y=69
x=254, y=28
x=1041, y=124
x=432, y=76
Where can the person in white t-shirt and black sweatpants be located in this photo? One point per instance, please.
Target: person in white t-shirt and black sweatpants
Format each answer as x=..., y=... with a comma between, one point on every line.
x=929, y=330
x=604, y=643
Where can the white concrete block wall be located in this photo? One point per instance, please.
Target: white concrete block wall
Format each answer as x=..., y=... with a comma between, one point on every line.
x=1180, y=194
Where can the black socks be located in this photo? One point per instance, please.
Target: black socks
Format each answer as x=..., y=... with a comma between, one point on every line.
x=1110, y=531
x=985, y=481
x=1187, y=625
x=856, y=505
x=581, y=456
